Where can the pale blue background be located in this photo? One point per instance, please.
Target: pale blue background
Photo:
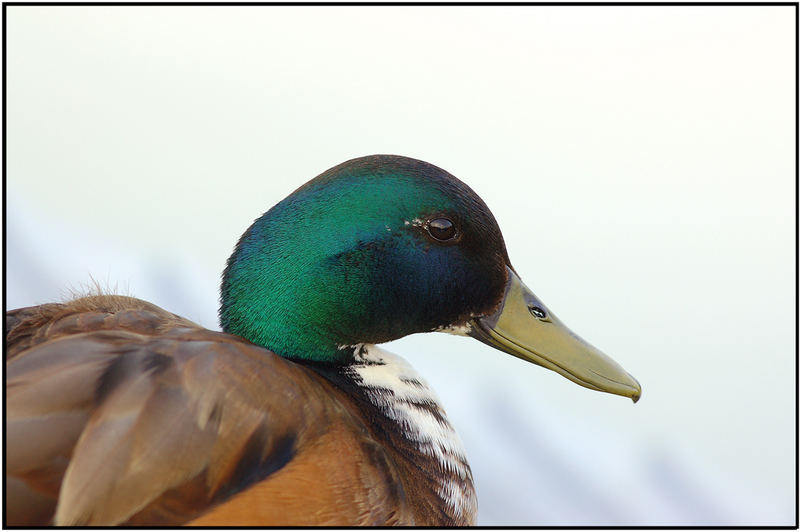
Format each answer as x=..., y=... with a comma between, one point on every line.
x=638, y=159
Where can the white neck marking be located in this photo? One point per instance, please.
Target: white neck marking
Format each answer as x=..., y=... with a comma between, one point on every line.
x=393, y=385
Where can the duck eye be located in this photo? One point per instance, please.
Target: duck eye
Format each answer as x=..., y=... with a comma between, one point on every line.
x=441, y=229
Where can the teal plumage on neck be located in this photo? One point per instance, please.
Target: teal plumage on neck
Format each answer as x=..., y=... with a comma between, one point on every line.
x=348, y=258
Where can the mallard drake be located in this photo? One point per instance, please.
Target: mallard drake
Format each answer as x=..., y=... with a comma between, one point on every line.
x=119, y=412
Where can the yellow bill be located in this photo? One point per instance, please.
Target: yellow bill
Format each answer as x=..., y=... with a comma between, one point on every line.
x=525, y=328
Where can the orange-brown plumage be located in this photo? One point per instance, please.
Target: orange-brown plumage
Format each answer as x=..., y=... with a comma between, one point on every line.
x=147, y=418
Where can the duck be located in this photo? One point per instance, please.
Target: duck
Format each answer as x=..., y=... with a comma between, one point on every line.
x=122, y=413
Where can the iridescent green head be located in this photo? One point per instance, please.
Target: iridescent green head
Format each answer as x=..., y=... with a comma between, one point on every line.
x=372, y=250
x=385, y=246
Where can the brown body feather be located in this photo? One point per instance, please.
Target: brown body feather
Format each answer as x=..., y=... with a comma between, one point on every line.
x=120, y=412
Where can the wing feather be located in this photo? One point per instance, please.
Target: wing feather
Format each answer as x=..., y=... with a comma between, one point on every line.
x=157, y=418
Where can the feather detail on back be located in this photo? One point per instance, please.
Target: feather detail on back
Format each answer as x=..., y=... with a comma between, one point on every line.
x=120, y=412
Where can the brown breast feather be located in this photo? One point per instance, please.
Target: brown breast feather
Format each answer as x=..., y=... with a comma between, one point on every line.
x=120, y=412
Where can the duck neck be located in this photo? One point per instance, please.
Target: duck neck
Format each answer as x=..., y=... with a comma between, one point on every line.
x=306, y=298
x=405, y=413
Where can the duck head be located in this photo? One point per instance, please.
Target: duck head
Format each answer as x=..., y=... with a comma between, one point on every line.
x=384, y=246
